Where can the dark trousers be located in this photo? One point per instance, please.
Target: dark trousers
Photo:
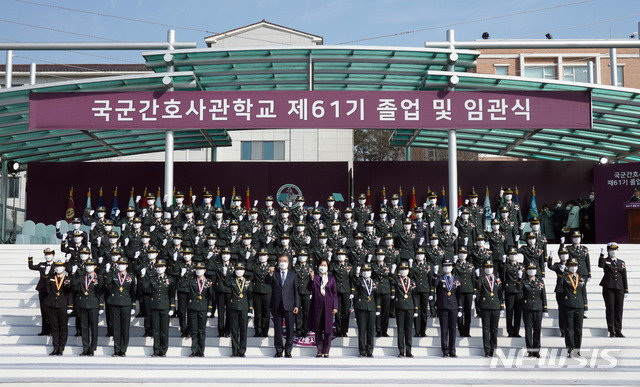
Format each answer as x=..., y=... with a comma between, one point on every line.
x=46, y=325
x=278, y=316
x=562, y=313
x=121, y=317
x=447, y=319
x=88, y=319
x=108, y=317
x=146, y=312
x=432, y=307
x=59, y=327
x=464, y=322
x=342, y=317
x=490, y=319
x=420, y=322
x=513, y=302
x=614, y=304
x=366, y=321
x=183, y=301
x=198, y=325
x=382, y=321
x=532, y=327
x=573, y=328
x=160, y=327
x=223, y=313
x=404, y=320
x=303, y=315
x=261, y=314
x=239, y=322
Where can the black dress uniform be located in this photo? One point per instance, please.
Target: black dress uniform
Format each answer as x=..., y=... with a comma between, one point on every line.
x=59, y=305
x=223, y=269
x=162, y=291
x=512, y=273
x=490, y=301
x=121, y=288
x=343, y=273
x=464, y=271
x=268, y=212
x=239, y=308
x=404, y=289
x=466, y=229
x=261, y=294
x=184, y=270
x=448, y=241
x=87, y=288
x=533, y=254
x=302, y=271
x=574, y=290
x=406, y=242
x=581, y=254
x=534, y=304
x=449, y=301
x=200, y=292
x=45, y=269
x=614, y=289
x=422, y=276
x=560, y=269
x=364, y=305
x=382, y=275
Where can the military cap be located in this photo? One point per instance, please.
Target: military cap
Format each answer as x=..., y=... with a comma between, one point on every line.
x=508, y=191
x=480, y=238
x=406, y=221
x=315, y=211
x=612, y=246
x=187, y=250
x=420, y=250
x=166, y=221
x=264, y=252
x=268, y=198
x=534, y=220
x=237, y=199
x=341, y=251
x=395, y=196
x=178, y=194
x=108, y=222
x=116, y=251
x=300, y=198
x=157, y=209
x=188, y=210
x=49, y=251
x=432, y=195
x=380, y=252
x=494, y=221
x=419, y=209
x=362, y=196
x=366, y=267
x=433, y=237
x=576, y=233
x=130, y=209
x=572, y=262
x=145, y=234
x=285, y=209
x=530, y=235
x=239, y=266
x=403, y=266
x=464, y=211
x=217, y=209
x=122, y=261
x=447, y=222
x=226, y=251
x=369, y=223
x=447, y=262
x=563, y=250
x=335, y=222
x=303, y=252
x=246, y=235
x=268, y=221
x=359, y=236
x=137, y=220
x=253, y=210
x=112, y=234
x=488, y=264
x=462, y=249
x=211, y=236
x=388, y=236
x=90, y=262
x=348, y=210
x=101, y=209
x=331, y=199
x=152, y=249
x=177, y=236
x=207, y=194
x=200, y=265
x=199, y=222
x=382, y=211
x=473, y=194
x=77, y=233
x=151, y=196
x=161, y=262
x=58, y=263
x=322, y=235
x=504, y=209
x=300, y=223
x=84, y=250
x=532, y=266
x=233, y=222
x=512, y=250
x=76, y=221
x=284, y=236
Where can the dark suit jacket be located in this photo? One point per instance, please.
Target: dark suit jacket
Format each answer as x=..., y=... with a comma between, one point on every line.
x=286, y=295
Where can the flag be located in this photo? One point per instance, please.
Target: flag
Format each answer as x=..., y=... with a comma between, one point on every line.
x=384, y=195
x=218, y=201
x=233, y=195
x=99, y=201
x=515, y=198
x=412, y=203
x=487, y=210
x=132, y=202
x=114, y=207
x=444, y=202
x=144, y=198
x=459, y=198
x=204, y=189
x=533, y=207
x=247, y=200
x=87, y=208
x=400, y=197
x=71, y=212
x=158, y=200
x=189, y=197
x=368, y=202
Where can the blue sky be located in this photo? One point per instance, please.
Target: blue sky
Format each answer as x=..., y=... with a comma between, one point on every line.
x=337, y=21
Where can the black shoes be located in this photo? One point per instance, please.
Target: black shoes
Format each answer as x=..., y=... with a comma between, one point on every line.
x=278, y=354
x=619, y=334
x=289, y=355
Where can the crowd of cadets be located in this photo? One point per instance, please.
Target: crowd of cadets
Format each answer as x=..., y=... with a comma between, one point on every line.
x=184, y=262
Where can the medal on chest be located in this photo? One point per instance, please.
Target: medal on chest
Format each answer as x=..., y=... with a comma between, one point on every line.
x=121, y=279
x=59, y=284
x=201, y=287
x=405, y=289
x=241, y=287
x=491, y=283
x=449, y=283
x=368, y=288
x=87, y=283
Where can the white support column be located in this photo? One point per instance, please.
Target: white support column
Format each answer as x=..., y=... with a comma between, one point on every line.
x=453, y=148
x=32, y=74
x=168, y=149
x=8, y=71
x=5, y=190
x=598, y=74
x=613, y=62
x=590, y=75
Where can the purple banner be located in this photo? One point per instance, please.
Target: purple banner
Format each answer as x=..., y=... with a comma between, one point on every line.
x=614, y=184
x=310, y=109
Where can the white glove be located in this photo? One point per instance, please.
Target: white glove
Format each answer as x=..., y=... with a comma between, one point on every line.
x=519, y=273
x=98, y=240
x=493, y=216
x=253, y=230
x=421, y=241
x=295, y=259
x=602, y=251
x=329, y=255
x=369, y=258
x=171, y=313
x=459, y=314
x=152, y=228
x=224, y=270
x=477, y=272
x=393, y=221
x=335, y=215
x=546, y=314
x=48, y=269
x=233, y=238
x=93, y=225
x=64, y=237
x=501, y=192
x=521, y=226
x=250, y=314
x=138, y=198
x=393, y=296
x=562, y=267
x=197, y=239
x=124, y=225
x=502, y=313
x=255, y=203
x=435, y=269
x=517, y=238
x=136, y=255
x=67, y=257
x=183, y=271
x=184, y=227
x=377, y=240
x=117, y=212
x=562, y=240
x=144, y=211
x=206, y=216
x=107, y=267
x=431, y=224
x=286, y=227
x=459, y=213
x=415, y=314
x=101, y=312
x=164, y=242
x=377, y=313
x=371, y=216
x=268, y=239
x=358, y=270
x=58, y=225
x=69, y=311
x=193, y=198
x=91, y=212
x=175, y=214
x=126, y=241
x=351, y=296
x=343, y=240
x=175, y=256
x=31, y=254
x=424, y=205
x=223, y=200
x=355, y=225
x=430, y=298
x=466, y=240
x=504, y=258
x=209, y=314
x=455, y=258
x=74, y=268
x=143, y=272
x=248, y=254
x=393, y=268
x=466, y=202
x=210, y=254
x=307, y=240
x=409, y=214
x=100, y=259
x=353, y=205
x=272, y=212
x=410, y=262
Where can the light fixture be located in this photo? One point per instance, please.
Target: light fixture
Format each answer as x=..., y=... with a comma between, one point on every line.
x=13, y=166
x=485, y=35
x=548, y=36
x=604, y=160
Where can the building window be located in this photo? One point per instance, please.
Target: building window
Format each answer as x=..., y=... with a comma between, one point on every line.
x=501, y=70
x=576, y=74
x=14, y=187
x=620, y=71
x=262, y=150
x=545, y=72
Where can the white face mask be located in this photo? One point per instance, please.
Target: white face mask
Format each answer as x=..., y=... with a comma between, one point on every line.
x=207, y=200
x=613, y=253
x=366, y=274
x=465, y=216
x=407, y=227
x=341, y=258
x=268, y=227
x=239, y=273
x=531, y=242
x=300, y=204
x=167, y=227
x=101, y=215
x=77, y=240
x=108, y=228
x=394, y=202
x=323, y=269
x=447, y=228
x=84, y=257
x=233, y=228
x=200, y=272
x=253, y=216
x=568, y=208
x=323, y=241
x=211, y=242
x=591, y=197
x=433, y=242
x=146, y=240
x=369, y=229
x=573, y=269
x=512, y=257
x=59, y=269
x=383, y=216
x=388, y=242
x=462, y=256
x=152, y=256
x=330, y=204
x=335, y=228
x=300, y=228
x=269, y=203
x=447, y=269
x=122, y=267
x=495, y=227
x=76, y=226
x=358, y=242
x=507, y=197
x=48, y=257
x=285, y=215
x=504, y=215
x=237, y=204
x=157, y=215
x=130, y=214
x=302, y=258
x=473, y=200
x=200, y=228
x=151, y=202
x=564, y=257
x=218, y=216
x=362, y=201
x=531, y=272
x=177, y=241
x=226, y=257
x=137, y=226
x=263, y=258
x=246, y=242
x=90, y=268
x=380, y=258
x=575, y=240
x=187, y=257
x=433, y=201
x=348, y=215
x=114, y=258
x=487, y=245
x=113, y=241
x=488, y=271
x=283, y=265
x=535, y=227
x=404, y=273
x=315, y=216
x=285, y=242
x=179, y=200
x=189, y=215
x=160, y=270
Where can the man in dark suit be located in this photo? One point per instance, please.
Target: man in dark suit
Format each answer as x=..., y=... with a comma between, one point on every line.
x=285, y=301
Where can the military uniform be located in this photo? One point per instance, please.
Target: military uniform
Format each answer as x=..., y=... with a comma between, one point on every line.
x=581, y=254
x=448, y=289
x=464, y=271
x=497, y=243
x=58, y=302
x=359, y=254
x=466, y=229
x=162, y=291
x=329, y=213
x=614, y=289
x=44, y=269
x=574, y=290
x=200, y=292
x=533, y=255
x=448, y=241
x=268, y=212
x=382, y=275
x=406, y=242
x=364, y=305
x=490, y=301
x=404, y=289
x=512, y=272
x=509, y=228
x=422, y=276
x=223, y=270
x=261, y=295
x=560, y=269
x=184, y=271
x=343, y=273
x=87, y=288
x=121, y=297
x=109, y=269
x=302, y=271
x=434, y=214
x=240, y=305
x=534, y=304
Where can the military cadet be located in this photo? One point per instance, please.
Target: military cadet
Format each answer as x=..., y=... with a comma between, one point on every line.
x=146, y=265
x=121, y=289
x=476, y=212
x=244, y=251
x=200, y=293
x=383, y=226
x=330, y=212
x=253, y=225
x=382, y=275
x=161, y=288
x=359, y=254
x=300, y=239
x=343, y=273
x=205, y=212
x=171, y=252
x=422, y=275
x=209, y=250
x=83, y=254
x=322, y=250
x=392, y=254
x=370, y=237
x=364, y=305
x=560, y=268
x=75, y=226
x=267, y=240
x=298, y=212
x=156, y=223
x=464, y=271
x=315, y=225
x=581, y=254
x=162, y=236
x=186, y=224
x=87, y=285
x=615, y=288
x=534, y=305
x=533, y=254
x=178, y=209
x=489, y=299
x=448, y=241
x=574, y=290
x=223, y=270
x=420, y=226
x=511, y=275
x=109, y=269
x=137, y=248
x=127, y=221
x=497, y=243
x=448, y=289
x=59, y=306
x=285, y=247
x=284, y=225
x=302, y=268
x=198, y=240
x=434, y=253
x=513, y=209
x=240, y=307
x=509, y=228
x=479, y=252
x=97, y=222
x=466, y=229
x=336, y=238
x=404, y=289
x=72, y=248
x=232, y=236
x=133, y=236
x=406, y=241
x=237, y=212
x=184, y=270
x=99, y=238
x=541, y=239
x=144, y=211
x=395, y=212
x=434, y=214
x=261, y=293
x=268, y=212
x=45, y=270
x=362, y=213
x=348, y=227
x=218, y=225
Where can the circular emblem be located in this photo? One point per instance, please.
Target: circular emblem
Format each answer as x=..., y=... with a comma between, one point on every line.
x=287, y=195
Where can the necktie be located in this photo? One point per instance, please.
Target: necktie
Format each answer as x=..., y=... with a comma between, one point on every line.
x=282, y=275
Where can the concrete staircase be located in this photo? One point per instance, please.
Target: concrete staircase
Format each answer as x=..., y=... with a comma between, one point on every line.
x=23, y=354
